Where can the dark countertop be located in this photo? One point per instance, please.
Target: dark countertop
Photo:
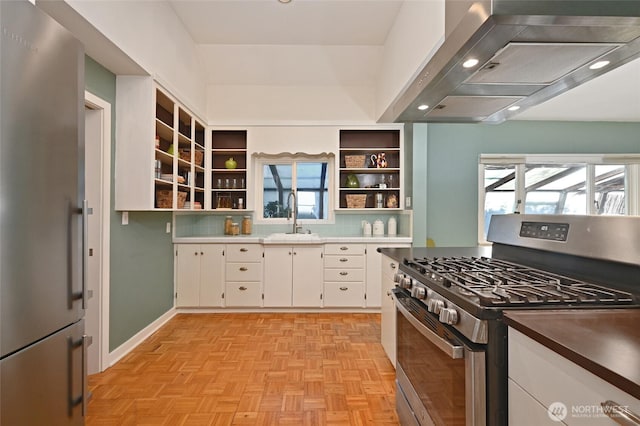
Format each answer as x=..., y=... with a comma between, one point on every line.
x=399, y=253
x=605, y=342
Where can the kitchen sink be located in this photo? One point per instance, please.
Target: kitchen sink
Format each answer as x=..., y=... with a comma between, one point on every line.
x=283, y=237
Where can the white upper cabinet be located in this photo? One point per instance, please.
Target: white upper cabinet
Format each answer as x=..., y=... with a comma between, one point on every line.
x=160, y=150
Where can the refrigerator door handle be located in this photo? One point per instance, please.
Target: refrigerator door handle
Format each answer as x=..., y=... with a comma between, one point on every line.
x=83, y=399
x=86, y=211
x=86, y=395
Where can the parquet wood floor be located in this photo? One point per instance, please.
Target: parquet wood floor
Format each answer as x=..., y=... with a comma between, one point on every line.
x=251, y=369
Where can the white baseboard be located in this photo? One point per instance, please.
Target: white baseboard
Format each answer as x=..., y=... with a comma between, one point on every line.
x=122, y=350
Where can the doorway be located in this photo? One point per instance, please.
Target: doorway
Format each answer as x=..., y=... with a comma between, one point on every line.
x=98, y=194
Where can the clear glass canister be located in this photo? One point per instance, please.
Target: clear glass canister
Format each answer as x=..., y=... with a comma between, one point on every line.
x=227, y=225
x=235, y=228
x=246, y=225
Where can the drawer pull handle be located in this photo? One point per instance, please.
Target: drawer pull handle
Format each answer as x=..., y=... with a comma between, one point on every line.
x=344, y=259
x=242, y=288
x=243, y=269
x=344, y=274
x=343, y=248
x=393, y=265
x=344, y=288
x=244, y=250
x=620, y=413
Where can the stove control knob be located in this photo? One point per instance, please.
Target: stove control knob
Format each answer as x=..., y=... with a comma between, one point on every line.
x=418, y=292
x=448, y=316
x=405, y=283
x=397, y=277
x=435, y=305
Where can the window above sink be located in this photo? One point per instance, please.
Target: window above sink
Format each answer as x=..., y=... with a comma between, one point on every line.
x=310, y=177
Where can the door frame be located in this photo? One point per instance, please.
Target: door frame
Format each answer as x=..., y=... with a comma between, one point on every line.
x=93, y=102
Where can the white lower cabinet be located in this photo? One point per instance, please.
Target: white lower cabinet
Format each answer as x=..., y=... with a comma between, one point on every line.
x=293, y=276
x=344, y=275
x=557, y=385
x=199, y=274
x=375, y=291
x=388, y=268
x=243, y=270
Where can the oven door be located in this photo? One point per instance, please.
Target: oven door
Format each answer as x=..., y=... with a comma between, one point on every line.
x=440, y=377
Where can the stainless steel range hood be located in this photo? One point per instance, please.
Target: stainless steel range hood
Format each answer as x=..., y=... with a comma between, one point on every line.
x=527, y=52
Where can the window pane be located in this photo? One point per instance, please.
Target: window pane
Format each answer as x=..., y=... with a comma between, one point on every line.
x=276, y=189
x=499, y=187
x=609, y=188
x=312, y=190
x=555, y=189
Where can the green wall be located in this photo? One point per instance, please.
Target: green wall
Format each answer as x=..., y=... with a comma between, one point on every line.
x=445, y=159
x=141, y=269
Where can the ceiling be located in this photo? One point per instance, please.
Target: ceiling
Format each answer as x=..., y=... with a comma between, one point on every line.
x=327, y=42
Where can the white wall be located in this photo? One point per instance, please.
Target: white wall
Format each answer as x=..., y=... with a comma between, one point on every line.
x=291, y=83
x=251, y=105
x=152, y=35
x=416, y=34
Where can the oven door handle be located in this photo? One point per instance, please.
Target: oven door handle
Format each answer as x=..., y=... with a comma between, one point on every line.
x=454, y=351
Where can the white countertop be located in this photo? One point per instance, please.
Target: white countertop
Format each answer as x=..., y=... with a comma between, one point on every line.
x=260, y=239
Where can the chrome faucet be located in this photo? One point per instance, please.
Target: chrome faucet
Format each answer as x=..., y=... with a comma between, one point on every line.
x=292, y=211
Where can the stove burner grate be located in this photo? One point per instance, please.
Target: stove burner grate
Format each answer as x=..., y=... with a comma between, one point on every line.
x=495, y=282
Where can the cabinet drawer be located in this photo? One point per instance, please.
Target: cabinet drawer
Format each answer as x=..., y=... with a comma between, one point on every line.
x=550, y=378
x=389, y=266
x=244, y=252
x=344, y=249
x=344, y=262
x=244, y=271
x=243, y=294
x=344, y=275
x=343, y=294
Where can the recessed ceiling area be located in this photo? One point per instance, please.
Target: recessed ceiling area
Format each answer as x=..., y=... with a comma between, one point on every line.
x=341, y=42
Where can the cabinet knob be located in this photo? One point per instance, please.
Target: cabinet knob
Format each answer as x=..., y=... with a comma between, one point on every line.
x=244, y=250
x=393, y=265
x=344, y=259
x=242, y=288
x=344, y=288
x=294, y=253
x=196, y=253
x=343, y=248
x=201, y=253
x=242, y=268
x=344, y=274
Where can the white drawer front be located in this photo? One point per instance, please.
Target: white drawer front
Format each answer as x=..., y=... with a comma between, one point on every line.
x=389, y=266
x=344, y=249
x=344, y=275
x=244, y=271
x=550, y=378
x=344, y=261
x=242, y=294
x=244, y=252
x=343, y=294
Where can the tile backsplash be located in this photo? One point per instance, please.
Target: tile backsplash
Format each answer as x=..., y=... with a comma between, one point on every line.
x=212, y=225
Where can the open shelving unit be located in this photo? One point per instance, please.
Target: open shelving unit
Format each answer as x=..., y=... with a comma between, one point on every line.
x=228, y=185
x=372, y=179
x=179, y=180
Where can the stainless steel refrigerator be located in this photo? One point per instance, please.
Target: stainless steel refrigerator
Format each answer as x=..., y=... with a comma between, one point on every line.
x=42, y=220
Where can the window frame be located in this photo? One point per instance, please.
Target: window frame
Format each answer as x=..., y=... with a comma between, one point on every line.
x=261, y=159
x=520, y=161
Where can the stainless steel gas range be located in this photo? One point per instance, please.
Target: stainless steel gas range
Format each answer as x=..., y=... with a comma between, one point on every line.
x=451, y=340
